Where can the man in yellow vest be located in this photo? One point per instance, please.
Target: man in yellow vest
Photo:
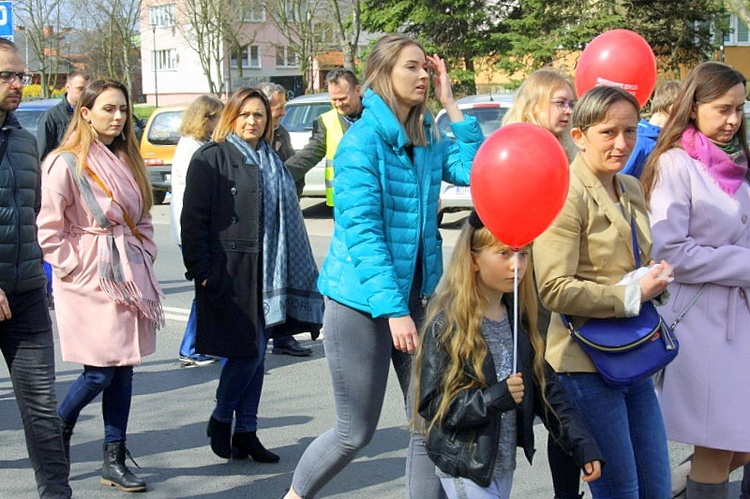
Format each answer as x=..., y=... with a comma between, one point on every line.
x=344, y=91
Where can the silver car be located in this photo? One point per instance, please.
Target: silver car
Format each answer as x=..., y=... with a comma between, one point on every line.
x=489, y=110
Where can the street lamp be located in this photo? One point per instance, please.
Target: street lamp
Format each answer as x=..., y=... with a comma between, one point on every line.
x=156, y=76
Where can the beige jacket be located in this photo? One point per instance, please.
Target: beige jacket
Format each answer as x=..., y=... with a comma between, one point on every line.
x=583, y=254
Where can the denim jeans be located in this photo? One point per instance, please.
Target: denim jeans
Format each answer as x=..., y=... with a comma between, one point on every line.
x=116, y=386
x=628, y=427
x=240, y=386
x=187, y=347
x=28, y=349
x=745, y=489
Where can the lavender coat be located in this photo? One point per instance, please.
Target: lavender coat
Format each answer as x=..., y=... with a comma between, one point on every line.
x=703, y=232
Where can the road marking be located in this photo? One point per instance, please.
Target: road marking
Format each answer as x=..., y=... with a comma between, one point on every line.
x=176, y=314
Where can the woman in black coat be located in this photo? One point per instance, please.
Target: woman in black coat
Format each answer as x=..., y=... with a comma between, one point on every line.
x=245, y=246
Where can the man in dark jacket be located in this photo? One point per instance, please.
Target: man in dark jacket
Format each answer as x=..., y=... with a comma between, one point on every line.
x=283, y=342
x=344, y=91
x=25, y=327
x=55, y=120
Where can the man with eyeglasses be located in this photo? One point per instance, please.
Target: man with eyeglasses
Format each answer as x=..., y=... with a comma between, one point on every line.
x=25, y=327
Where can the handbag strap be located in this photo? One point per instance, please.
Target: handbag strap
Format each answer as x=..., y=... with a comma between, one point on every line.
x=636, y=252
x=689, y=305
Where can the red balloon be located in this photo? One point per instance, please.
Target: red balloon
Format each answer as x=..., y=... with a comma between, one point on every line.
x=519, y=182
x=618, y=58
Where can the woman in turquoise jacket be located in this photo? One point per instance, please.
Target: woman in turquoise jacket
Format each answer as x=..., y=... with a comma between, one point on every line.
x=385, y=257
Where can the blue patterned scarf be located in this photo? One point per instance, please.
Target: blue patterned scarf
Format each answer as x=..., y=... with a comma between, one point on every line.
x=289, y=270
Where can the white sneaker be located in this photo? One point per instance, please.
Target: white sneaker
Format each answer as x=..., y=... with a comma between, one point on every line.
x=679, y=478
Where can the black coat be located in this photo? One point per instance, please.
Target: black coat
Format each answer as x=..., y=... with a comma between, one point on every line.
x=466, y=443
x=221, y=244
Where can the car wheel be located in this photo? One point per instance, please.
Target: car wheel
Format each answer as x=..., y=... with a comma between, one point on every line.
x=159, y=196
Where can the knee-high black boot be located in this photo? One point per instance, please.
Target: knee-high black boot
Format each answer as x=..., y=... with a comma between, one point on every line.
x=114, y=471
x=67, y=434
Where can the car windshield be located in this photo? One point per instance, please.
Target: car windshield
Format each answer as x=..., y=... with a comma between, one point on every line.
x=300, y=117
x=165, y=129
x=29, y=118
x=489, y=118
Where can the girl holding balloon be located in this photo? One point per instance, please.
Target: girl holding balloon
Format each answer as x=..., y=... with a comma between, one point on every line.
x=579, y=261
x=468, y=389
x=547, y=98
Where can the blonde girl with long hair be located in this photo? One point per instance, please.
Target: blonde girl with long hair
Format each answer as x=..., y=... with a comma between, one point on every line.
x=546, y=98
x=467, y=391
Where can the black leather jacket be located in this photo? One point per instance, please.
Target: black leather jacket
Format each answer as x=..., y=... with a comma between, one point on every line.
x=466, y=443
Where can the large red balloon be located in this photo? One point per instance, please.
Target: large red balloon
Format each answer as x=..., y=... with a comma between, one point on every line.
x=519, y=182
x=618, y=58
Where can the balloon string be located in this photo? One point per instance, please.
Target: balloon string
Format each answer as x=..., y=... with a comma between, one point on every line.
x=515, y=312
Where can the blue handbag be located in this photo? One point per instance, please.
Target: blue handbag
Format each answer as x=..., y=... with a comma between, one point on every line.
x=627, y=350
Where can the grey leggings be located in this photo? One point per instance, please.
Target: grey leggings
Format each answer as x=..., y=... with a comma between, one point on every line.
x=358, y=351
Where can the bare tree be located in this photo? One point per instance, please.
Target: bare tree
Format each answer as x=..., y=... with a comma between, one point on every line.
x=214, y=29
x=41, y=20
x=300, y=22
x=348, y=24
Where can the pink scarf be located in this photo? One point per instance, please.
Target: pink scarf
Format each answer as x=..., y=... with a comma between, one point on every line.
x=717, y=163
x=126, y=273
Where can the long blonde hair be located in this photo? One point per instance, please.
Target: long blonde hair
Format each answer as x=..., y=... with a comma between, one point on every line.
x=538, y=88
x=380, y=64
x=461, y=304
x=80, y=135
x=198, y=118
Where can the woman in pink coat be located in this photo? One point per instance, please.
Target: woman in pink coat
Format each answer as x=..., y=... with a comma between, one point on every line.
x=96, y=232
x=697, y=183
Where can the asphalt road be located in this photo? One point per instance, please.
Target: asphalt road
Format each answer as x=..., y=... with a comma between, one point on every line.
x=172, y=404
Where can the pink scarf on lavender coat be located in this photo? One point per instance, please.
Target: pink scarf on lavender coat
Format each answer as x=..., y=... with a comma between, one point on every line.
x=725, y=171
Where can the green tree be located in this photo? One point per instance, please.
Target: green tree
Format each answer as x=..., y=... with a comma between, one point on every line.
x=460, y=30
x=538, y=31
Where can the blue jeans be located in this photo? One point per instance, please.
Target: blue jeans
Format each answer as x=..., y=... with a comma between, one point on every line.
x=745, y=490
x=240, y=386
x=187, y=347
x=116, y=386
x=628, y=427
x=27, y=346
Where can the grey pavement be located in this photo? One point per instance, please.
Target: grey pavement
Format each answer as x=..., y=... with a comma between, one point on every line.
x=171, y=405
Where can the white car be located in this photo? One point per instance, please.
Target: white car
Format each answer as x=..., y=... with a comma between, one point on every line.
x=489, y=110
x=301, y=113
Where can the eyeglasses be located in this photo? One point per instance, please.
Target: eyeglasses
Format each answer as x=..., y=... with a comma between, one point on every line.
x=10, y=76
x=563, y=104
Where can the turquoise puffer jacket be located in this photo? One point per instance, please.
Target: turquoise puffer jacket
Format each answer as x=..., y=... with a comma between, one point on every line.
x=386, y=209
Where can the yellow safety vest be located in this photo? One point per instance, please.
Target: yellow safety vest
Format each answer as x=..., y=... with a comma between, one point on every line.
x=334, y=132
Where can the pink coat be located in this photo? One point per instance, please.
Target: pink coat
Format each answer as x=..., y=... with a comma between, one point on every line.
x=703, y=232
x=94, y=330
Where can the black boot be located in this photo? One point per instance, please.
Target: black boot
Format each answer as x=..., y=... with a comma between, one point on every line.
x=220, y=433
x=114, y=471
x=67, y=433
x=244, y=444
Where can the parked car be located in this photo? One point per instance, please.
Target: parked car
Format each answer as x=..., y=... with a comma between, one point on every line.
x=489, y=110
x=29, y=112
x=159, y=141
x=301, y=113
